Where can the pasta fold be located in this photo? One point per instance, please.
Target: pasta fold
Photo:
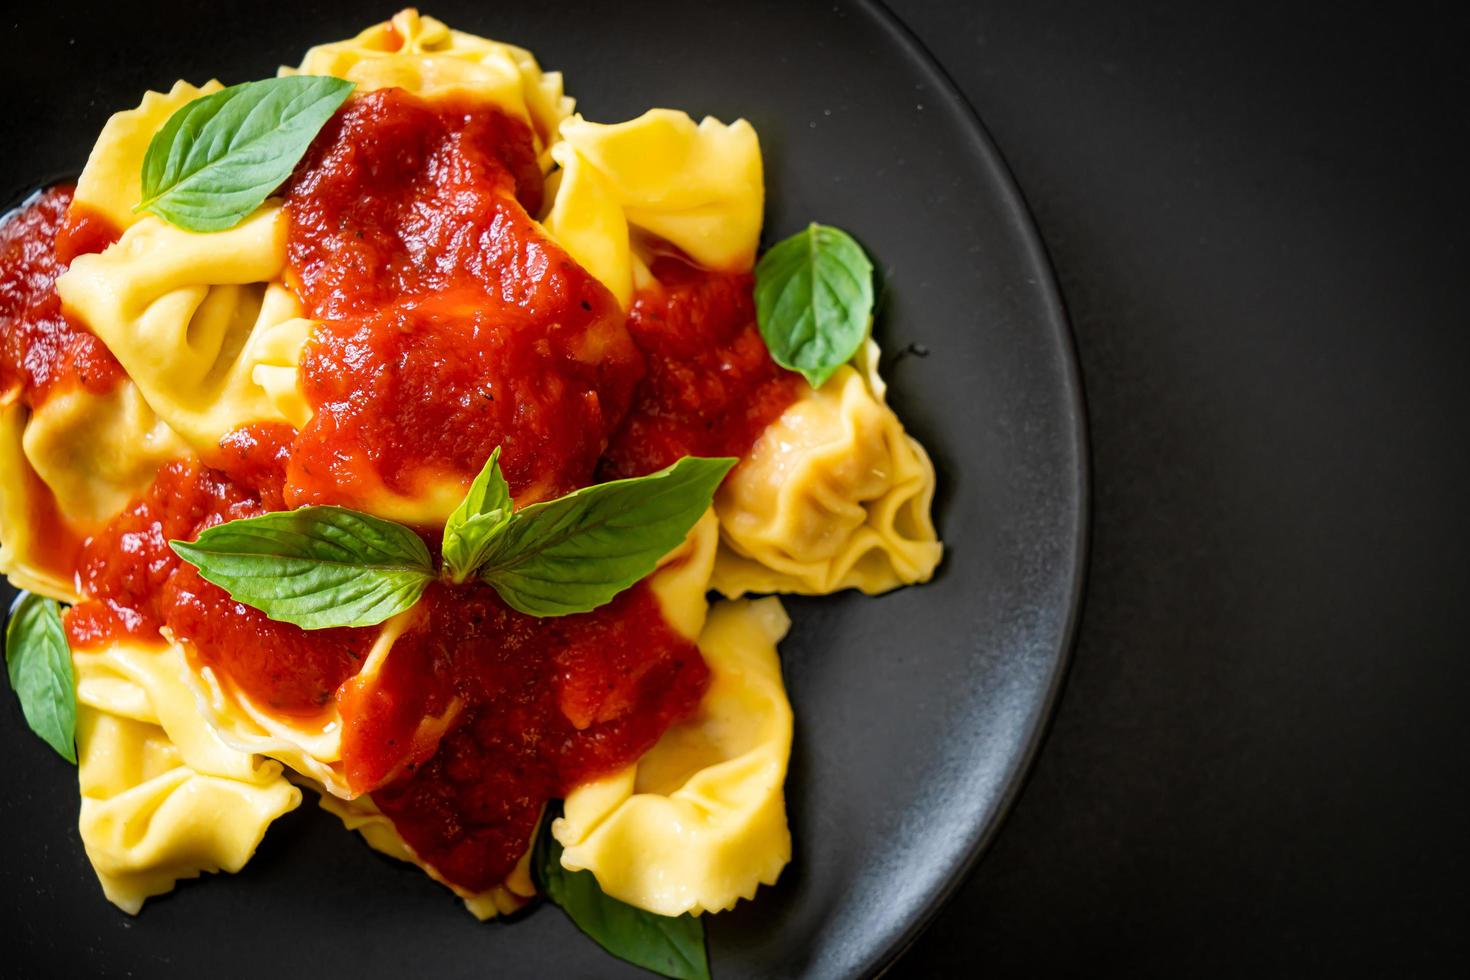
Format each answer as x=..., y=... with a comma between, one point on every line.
x=199, y=322
x=162, y=797
x=833, y=495
x=424, y=56
x=700, y=821
x=698, y=187
x=97, y=452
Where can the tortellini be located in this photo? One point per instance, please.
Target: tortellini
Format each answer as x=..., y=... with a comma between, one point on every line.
x=180, y=771
x=834, y=495
x=700, y=821
x=199, y=321
x=111, y=183
x=423, y=56
x=162, y=797
x=698, y=187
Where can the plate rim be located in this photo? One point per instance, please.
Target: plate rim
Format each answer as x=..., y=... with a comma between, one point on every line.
x=1022, y=222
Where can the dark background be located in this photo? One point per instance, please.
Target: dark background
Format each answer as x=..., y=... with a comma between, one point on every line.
x=1258, y=221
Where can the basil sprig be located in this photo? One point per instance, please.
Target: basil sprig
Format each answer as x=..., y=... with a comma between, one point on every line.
x=671, y=946
x=575, y=553
x=320, y=567
x=217, y=158
x=39, y=664
x=814, y=301
x=478, y=518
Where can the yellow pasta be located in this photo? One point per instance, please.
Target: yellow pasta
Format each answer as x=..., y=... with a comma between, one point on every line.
x=423, y=56
x=162, y=797
x=194, y=318
x=834, y=495
x=97, y=452
x=587, y=220
x=698, y=187
x=700, y=821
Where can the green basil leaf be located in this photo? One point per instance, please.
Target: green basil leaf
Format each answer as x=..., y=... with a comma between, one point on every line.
x=814, y=301
x=671, y=946
x=482, y=513
x=316, y=567
x=219, y=157
x=39, y=663
x=576, y=553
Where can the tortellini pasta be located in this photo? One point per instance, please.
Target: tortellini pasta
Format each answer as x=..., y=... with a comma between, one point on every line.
x=698, y=187
x=834, y=495
x=180, y=771
x=700, y=821
x=199, y=321
x=423, y=56
x=162, y=797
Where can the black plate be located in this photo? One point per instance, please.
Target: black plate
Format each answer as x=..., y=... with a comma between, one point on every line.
x=917, y=713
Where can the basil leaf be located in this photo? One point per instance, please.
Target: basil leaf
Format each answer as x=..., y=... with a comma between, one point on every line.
x=219, y=157
x=39, y=663
x=482, y=513
x=316, y=567
x=576, y=553
x=672, y=946
x=814, y=301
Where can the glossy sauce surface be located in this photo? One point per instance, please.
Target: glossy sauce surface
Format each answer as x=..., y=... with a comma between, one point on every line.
x=450, y=323
x=711, y=386
x=43, y=350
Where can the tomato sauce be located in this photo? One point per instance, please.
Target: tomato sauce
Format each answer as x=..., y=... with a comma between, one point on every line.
x=43, y=350
x=711, y=386
x=123, y=569
x=546, y=705
x=449, y=324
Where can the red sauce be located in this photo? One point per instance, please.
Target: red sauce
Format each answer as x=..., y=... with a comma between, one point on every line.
x=255, y=457
x=711, y=387
x=123, y=569
x=280, y=667
x=43, y=350
x=449, y=325
x=84, y=232
x=548, y=703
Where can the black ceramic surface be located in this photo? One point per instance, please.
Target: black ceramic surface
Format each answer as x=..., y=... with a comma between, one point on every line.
x=917, y=713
